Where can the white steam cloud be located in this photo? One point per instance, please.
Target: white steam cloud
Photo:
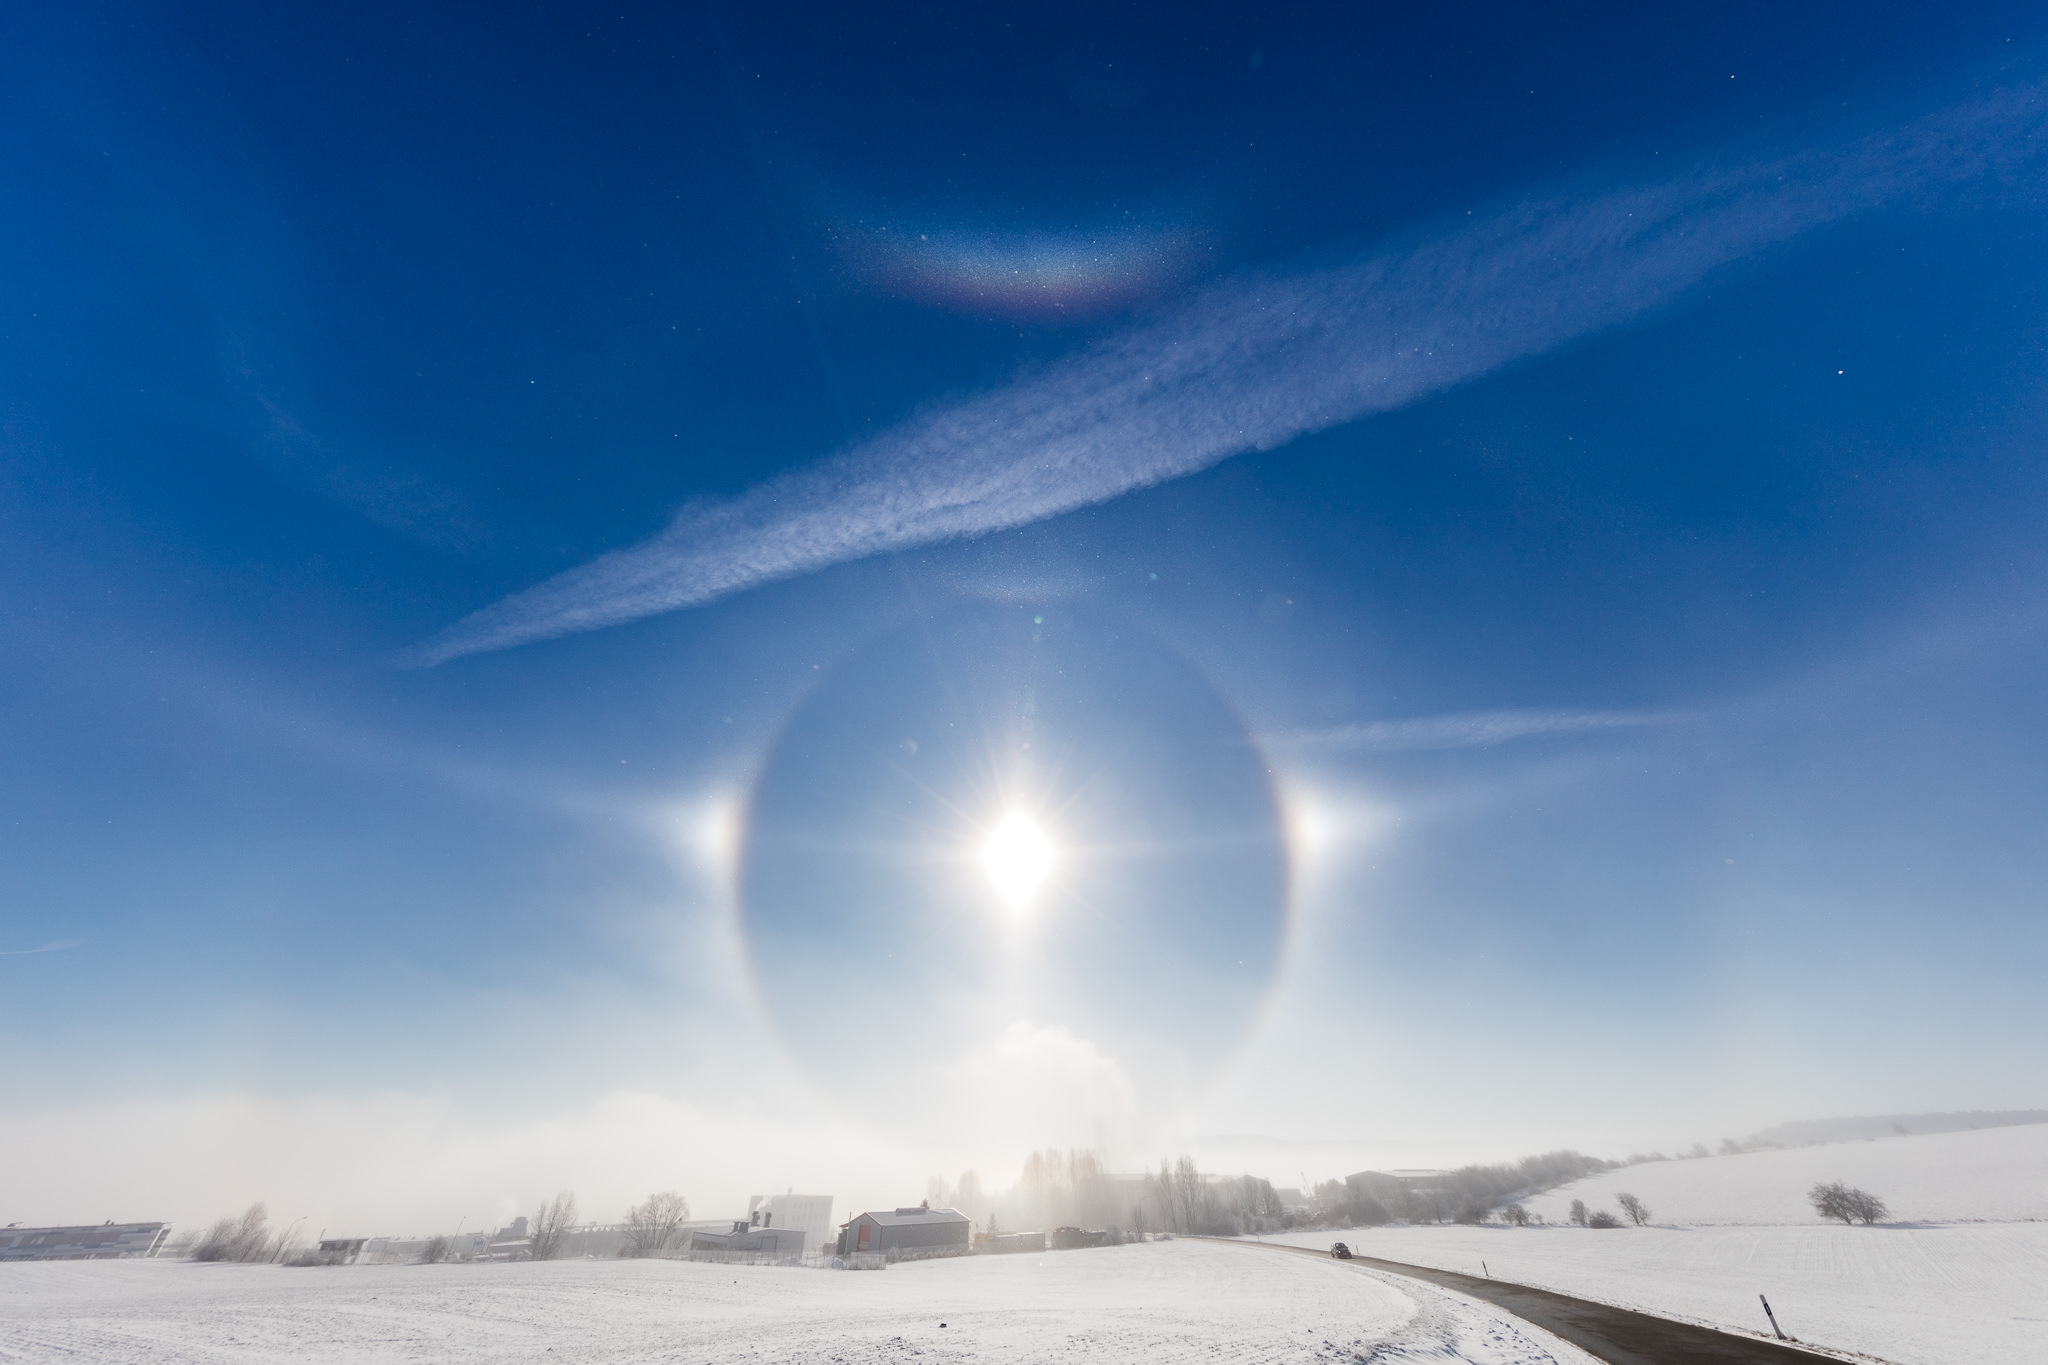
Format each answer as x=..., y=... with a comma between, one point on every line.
x=1256, y=361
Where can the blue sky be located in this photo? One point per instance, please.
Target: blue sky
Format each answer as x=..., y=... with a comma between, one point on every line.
x=1501, y=547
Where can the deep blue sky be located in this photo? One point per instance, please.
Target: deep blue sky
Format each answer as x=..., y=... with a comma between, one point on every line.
x=324, y=327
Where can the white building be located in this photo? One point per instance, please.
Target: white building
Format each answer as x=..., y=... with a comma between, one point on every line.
x=810, y=1214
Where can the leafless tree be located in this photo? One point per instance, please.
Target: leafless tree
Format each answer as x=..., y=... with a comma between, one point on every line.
x=1835, y=1199
x=1515, y=1215
x=1189, y=1206
x=1579, y=1212
x=237, y=1239
x=655, y=1224
x=436, y=1251
x=1638, y=1212
x=551, y=1226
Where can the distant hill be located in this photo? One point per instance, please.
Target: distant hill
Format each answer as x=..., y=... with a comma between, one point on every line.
x=1997, y=1174
x=1861, y=1129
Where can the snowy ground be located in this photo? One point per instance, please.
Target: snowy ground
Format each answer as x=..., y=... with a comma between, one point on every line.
x=1967, y=1294
x=1948, y=1287
x=1163, y=1301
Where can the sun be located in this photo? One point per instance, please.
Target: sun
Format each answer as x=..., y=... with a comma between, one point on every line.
x=1017, y=857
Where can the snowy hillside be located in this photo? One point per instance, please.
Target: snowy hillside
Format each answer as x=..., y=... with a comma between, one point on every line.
x=1994, y=1175
x=1862, y=1127
x=1959, y=1278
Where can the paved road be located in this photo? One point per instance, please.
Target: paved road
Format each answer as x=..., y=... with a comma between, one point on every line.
x=1615, y=1335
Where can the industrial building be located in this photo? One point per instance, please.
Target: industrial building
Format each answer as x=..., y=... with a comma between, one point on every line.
x=913, y=1229
x=779, y=1225
x=810, y=1214
x=741, y=1238
x=100, y=1242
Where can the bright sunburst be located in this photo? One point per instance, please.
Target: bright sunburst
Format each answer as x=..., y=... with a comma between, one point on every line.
x=1017, y=857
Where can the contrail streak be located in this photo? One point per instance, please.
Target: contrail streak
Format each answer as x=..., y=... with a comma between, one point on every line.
x=1258, y=360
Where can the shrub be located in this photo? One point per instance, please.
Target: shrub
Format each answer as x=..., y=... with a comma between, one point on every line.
x=1838, y=1200
x=1603, y=1219
x=237, y=1239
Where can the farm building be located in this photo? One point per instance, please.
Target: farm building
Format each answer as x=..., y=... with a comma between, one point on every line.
x=741, y=1238
x=912, y=1229
x=98, y=1242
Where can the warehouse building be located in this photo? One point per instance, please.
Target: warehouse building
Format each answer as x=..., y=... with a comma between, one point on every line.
x=912, y=1229
x=102, y=1242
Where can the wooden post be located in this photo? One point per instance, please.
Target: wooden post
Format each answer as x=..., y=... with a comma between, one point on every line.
x=1773, y=1317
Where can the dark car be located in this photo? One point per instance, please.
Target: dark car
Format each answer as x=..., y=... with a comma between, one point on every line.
x=1340, y=1251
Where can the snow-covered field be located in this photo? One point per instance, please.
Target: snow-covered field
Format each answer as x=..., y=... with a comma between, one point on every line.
x=1162, y=1301
x=1970, y=1294
x=1944, y=1286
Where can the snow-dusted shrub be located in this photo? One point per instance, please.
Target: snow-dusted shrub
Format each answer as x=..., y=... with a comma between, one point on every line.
x=1834, y=1199
x=237, y=1239
x=1603, y=1219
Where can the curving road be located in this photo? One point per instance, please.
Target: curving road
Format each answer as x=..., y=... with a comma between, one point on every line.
x=1618, y=1336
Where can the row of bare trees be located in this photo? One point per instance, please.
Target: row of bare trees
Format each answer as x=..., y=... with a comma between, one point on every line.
x=652, y=1226
x=1466, y=1195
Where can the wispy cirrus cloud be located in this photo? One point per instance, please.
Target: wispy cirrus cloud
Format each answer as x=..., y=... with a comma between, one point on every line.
x=1258, y=360
x=57, y=947
x=1466, y=729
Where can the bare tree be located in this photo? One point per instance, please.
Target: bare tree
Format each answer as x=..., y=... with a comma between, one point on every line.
x=1638, y=1212
x=237, y=1239
x=551, y=1226
x=655, y=1224
x=1515, y=1215
x=1190, y=1206
x=1579, y=1212
x=1835, y=1199
x=436, y=1250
